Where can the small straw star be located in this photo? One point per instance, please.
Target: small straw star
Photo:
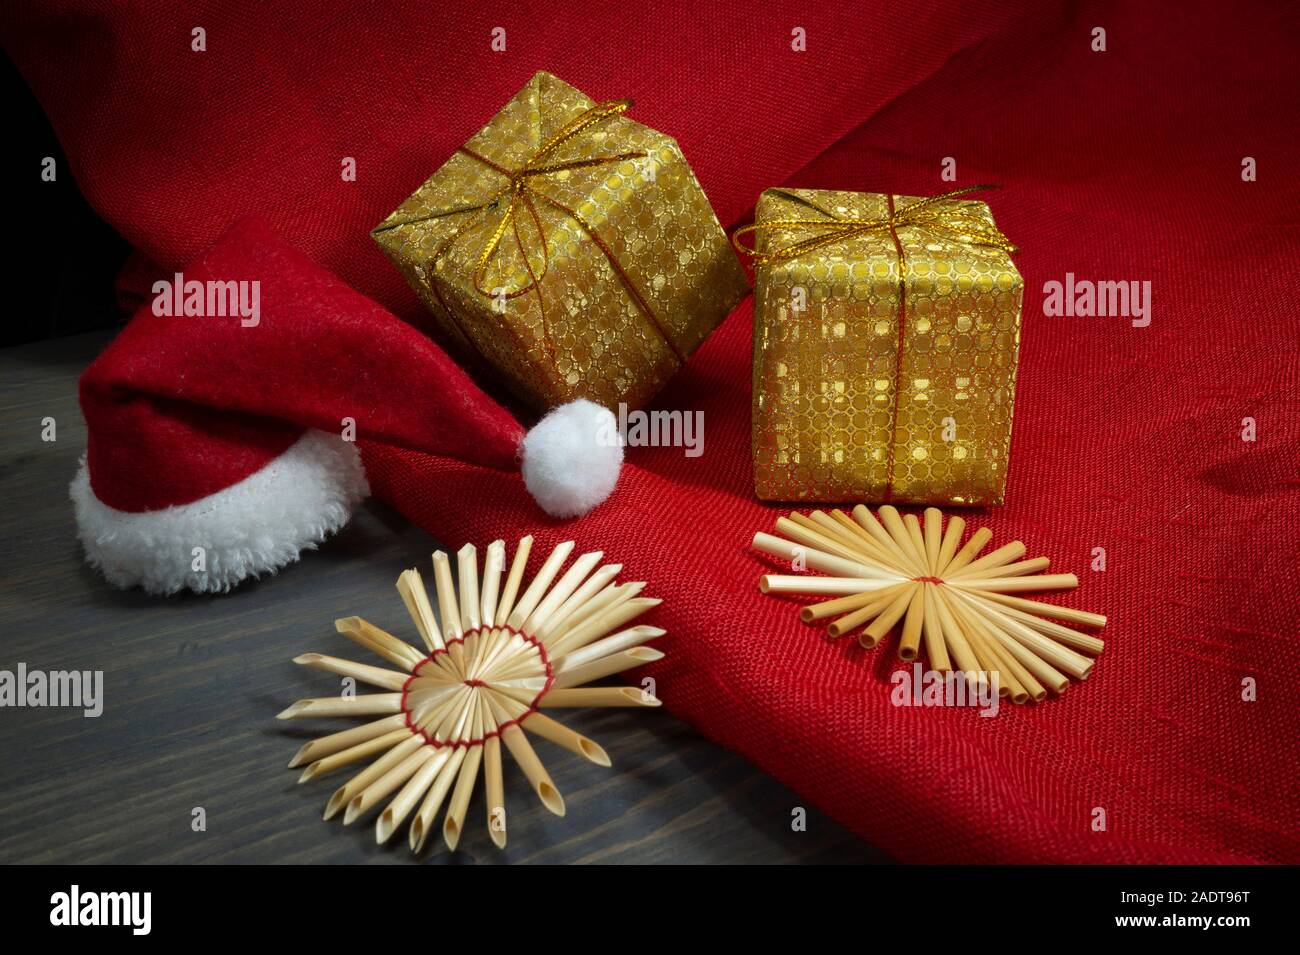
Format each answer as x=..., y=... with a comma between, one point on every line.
x=964, y=608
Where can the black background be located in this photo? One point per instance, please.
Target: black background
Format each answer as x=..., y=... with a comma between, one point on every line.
x=925, y=908
x=62, y=258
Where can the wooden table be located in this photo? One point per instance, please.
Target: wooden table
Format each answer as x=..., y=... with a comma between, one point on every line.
x=192, y=685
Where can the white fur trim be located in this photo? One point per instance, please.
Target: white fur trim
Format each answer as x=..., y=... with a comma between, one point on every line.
x=248, y=529
x=572, y=457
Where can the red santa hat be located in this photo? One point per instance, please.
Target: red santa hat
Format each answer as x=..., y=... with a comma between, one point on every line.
x=221, y=421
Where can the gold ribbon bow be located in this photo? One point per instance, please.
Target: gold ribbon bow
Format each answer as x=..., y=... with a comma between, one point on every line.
x=930, y=214
x=520, y=197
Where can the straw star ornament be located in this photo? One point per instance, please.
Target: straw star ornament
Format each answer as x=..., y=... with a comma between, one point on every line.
x=502, y=653
x=964, y=608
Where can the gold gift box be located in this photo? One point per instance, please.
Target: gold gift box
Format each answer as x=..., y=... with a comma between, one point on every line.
x=569, y=247
x=874, y=383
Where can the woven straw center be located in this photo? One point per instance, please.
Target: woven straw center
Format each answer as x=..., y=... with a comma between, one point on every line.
x=477, y=680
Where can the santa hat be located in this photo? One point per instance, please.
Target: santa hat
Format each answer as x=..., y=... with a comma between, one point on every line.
x=221, y=444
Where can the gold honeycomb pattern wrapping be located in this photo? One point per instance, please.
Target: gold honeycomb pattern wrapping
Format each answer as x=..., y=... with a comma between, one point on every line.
x=601, y=286
x=848, y=406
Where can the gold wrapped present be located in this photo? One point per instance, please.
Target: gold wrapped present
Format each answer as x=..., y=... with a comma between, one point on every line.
x=570, y=247
x=886, y=332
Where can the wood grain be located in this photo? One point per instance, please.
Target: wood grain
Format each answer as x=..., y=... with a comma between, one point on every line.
x=192, y=685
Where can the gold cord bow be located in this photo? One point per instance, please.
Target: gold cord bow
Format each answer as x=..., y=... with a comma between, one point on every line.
x=930, y=214
x=519, y=189
x=520, y=198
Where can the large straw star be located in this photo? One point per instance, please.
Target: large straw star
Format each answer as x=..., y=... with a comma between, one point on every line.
x=498, y=658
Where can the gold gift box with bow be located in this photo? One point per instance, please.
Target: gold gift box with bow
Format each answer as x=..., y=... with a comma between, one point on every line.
x=569, y=247
x=886, y=334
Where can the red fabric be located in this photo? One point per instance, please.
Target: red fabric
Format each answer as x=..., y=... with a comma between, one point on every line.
x=178, y=407
x=1116, y=165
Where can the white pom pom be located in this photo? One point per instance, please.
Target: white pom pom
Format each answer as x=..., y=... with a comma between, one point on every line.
x=572, y=458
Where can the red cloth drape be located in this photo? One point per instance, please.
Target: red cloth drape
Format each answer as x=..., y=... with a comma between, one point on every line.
x=1122, y=164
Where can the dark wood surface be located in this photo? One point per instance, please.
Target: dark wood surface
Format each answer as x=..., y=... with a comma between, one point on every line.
x=192, y=685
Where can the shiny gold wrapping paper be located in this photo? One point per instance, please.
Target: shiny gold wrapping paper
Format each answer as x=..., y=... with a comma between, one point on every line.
x=841, y=413
x=561, y=321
